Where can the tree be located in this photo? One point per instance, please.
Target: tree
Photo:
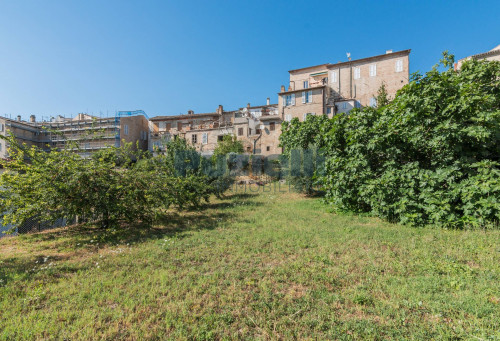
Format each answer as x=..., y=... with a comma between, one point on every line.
x=304, y=135
x=116, y=185
x=229, y=144
x=382, y=96
x=431, y=156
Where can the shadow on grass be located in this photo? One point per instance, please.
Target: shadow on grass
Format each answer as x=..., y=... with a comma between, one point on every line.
x=76, y=240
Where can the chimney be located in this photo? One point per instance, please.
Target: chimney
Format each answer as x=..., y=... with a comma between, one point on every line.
x=388, y=51
x=268, y=101
x=220, y=110
x=248, y=105
x=190, y=112
x=32, y=118
x=19, y=118
x=282, y=88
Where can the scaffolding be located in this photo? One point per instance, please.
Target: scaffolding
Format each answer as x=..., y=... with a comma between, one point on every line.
x=88, y=135
x=85, y=132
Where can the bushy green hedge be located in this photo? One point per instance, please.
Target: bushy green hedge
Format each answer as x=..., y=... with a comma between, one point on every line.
x=431, y=156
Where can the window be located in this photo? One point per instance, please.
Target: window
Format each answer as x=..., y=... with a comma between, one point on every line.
x=290, y=100
x=334, y=77
x=169, y=126
x=194, y=138
x=179, y=125
x=204, y=138
x=240, y=131
x=373, y=102
x=0, y=147
x=268, y=148
x=357, y=104
x=288, y=117
x=373, y=70
x=249, y=131
x=257, y=131
x=308, y=114
x=271, y=126
x=399, y=65
x=163, y=125
x=344, y=105
x=220, y=138
x=329, y=110
x=307, y=96
x=306, y=84
x=357, y=73
x=125, y=129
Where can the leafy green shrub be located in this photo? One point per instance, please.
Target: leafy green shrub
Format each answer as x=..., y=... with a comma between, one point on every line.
x=431, y=156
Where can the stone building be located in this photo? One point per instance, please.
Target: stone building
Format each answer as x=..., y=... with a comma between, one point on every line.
x=337, y=88
x=23, y=131
x=257, y=127
x=493, y=54
x=89, y=133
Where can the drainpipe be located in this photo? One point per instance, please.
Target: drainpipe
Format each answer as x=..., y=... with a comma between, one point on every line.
x=255, y=141
x=350, y=81
x=340, y=93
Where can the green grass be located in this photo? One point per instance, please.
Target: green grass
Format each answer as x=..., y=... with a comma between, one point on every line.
x=254, y=266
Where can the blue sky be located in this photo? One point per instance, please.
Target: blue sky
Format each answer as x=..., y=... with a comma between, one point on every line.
x=166, y=57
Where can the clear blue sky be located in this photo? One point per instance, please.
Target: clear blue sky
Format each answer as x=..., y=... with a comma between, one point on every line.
x=166, y=57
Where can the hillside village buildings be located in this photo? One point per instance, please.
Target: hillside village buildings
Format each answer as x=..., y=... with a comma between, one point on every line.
x=326, y=89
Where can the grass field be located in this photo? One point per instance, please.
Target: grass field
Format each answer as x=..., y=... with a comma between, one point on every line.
x=254, y=266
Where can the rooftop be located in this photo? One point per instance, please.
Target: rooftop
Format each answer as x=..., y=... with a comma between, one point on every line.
x=494, y=51
x=184, y=116
x=329, y=65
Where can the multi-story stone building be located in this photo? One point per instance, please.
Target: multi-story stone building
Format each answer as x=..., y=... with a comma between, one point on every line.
x=493, y=54
x=337, y=88
x=257, y=127
x=89, y=133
